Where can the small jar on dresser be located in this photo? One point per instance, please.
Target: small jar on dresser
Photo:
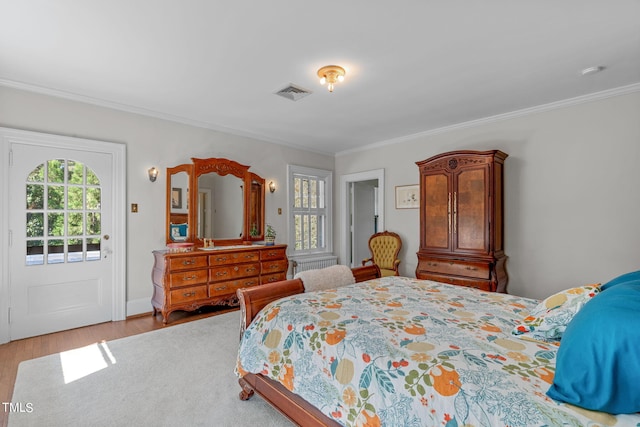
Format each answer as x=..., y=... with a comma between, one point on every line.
x=190, y=280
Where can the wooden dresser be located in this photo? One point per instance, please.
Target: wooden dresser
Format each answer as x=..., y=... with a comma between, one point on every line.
x=190, y=280
x=461, y=220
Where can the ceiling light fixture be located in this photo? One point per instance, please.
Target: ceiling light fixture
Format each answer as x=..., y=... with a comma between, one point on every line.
x=331, y=74
x=592, y=70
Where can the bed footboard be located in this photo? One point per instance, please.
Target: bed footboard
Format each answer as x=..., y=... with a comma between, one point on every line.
x=288, y=404
x=253, y=299
x=292, y=406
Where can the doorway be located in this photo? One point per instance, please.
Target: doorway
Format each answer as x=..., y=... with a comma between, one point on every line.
x=362, y=196
x=66, y=246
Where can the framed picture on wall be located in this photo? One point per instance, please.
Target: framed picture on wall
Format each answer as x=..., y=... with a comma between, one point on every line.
x=176, y=198
x=408, y=196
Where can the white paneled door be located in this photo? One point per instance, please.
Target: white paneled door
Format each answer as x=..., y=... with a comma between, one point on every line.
x=61, y=221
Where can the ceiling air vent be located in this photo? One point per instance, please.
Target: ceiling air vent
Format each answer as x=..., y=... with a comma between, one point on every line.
x=293, y=92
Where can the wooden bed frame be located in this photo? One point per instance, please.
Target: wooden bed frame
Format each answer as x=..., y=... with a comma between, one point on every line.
x=292, y=406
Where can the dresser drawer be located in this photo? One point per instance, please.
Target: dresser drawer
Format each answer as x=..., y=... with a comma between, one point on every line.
x=233, y=257
x=185, y=295
x=274, y=277
x=277, y=266
x=275, y=253
x=480, y=270
x=185, y=278
x=230, y=286
x=184, y=263
x=230, y=272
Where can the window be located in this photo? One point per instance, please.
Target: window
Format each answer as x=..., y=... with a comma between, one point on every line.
x=310, y=222
x=63, y=213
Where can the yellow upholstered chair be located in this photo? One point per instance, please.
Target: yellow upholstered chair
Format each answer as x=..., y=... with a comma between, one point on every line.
x=384, y=249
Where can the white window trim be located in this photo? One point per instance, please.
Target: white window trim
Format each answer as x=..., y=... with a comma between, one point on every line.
x=327, y=175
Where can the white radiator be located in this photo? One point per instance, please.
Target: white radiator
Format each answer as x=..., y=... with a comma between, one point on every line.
x=304, y=264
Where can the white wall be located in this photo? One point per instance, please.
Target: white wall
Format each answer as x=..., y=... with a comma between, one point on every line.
x=572, y=190
x=153, y=142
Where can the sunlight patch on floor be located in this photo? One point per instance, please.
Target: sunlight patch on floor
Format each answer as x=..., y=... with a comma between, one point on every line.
x=81, y=362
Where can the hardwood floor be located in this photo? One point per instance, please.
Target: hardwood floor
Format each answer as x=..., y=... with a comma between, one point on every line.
x=14, y=352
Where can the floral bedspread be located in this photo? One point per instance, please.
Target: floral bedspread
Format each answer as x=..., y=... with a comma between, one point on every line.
x=405, y=352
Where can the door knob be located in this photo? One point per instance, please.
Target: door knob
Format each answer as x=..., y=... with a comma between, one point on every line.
x=106, y=237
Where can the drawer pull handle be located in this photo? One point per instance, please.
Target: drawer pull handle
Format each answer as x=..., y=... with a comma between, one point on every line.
x=250, y=283
x=236, y=268
x=189, y=294
x=432, y=264
x=190, y=277
x=221, y=288
x=248, y=256
x=250, y=270
x=221, y=273
x=189, y=261
x=272, y=254
x=274, y=266
x=472, y=268
x=224, y=258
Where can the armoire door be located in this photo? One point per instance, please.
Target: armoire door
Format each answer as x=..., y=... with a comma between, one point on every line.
x=471, y=210
x=437, y=212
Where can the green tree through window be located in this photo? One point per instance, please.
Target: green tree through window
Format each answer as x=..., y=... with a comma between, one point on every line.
x=63, y=218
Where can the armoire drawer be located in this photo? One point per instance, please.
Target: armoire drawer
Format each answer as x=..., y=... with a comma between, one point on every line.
x=483, y=285
x=480, y=270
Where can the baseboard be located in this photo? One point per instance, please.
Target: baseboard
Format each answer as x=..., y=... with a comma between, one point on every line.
x=139, y=306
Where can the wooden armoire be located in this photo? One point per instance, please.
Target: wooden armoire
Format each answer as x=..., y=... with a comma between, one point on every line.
x=461, y=219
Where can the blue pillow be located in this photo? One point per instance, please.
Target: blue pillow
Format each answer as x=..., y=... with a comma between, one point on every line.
x=598, y=362
x=634, y=275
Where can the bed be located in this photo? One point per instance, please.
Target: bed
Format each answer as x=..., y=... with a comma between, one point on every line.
x=399, y=351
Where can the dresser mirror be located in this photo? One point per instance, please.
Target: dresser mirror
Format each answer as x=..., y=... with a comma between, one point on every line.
x=256, y=207
x=178, y=218
x=222, y=202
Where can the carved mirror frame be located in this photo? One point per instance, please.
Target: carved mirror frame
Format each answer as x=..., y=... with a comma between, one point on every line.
x=253, y=224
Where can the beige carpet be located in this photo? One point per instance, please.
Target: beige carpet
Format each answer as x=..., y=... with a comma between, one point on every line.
x=177, y=376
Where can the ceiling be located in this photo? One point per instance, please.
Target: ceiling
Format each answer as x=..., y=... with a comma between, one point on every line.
x=413, y=66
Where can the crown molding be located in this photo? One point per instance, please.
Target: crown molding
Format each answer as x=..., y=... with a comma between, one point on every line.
x=150, y=113
x=623, y=90
x=99, y=102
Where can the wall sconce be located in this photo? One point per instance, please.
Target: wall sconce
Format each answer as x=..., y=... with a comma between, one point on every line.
x=331, y=74
x=272, y=187
x=153, y=174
